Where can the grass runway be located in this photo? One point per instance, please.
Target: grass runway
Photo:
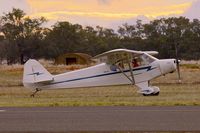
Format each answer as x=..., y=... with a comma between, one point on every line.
x=13, y=94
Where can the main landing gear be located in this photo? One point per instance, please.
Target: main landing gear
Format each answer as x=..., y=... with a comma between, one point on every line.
x=152, y=91
x=152, y=94
x=36, y=90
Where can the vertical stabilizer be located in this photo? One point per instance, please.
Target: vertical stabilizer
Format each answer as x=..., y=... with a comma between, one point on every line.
x=35, y=73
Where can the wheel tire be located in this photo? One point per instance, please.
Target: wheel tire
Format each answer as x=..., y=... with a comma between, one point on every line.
x=152, y=94
x=156, y=94
x=145, y=94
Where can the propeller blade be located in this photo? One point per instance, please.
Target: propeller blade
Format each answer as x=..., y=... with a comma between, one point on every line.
x=177, y=63
x=178, y=70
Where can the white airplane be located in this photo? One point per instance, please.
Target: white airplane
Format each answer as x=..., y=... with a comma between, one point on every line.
x=117, y=67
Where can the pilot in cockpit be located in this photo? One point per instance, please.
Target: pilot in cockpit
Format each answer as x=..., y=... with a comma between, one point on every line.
x=135, y=63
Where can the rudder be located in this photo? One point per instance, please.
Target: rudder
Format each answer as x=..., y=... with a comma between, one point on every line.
x=35, y=73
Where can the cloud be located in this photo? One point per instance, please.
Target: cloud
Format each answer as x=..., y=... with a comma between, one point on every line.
x=115, y=24
x=141, y=7
x=193, y=11
x=107, y=13
x=53, y=10
x=105, y=2
x=100, y=12
x=7, y=5
x=103, y=15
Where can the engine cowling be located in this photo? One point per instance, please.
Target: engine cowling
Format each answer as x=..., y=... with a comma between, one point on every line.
x=167, y=66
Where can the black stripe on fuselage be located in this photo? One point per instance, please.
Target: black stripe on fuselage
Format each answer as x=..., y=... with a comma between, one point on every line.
x=105, y=74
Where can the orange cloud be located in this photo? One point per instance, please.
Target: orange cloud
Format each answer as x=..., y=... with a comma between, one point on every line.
x=105, y=12
x=57, y=14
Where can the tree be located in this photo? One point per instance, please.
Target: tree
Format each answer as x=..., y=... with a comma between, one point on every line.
x=131, y=36
x=22, y=37
x=19, y=31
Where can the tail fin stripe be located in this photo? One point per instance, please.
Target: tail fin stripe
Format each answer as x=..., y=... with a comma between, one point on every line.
x=36, y=73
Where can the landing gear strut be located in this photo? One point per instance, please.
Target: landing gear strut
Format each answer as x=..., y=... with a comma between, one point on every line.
x=36, y=90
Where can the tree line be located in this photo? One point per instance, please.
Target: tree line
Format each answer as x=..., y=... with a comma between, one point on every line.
x=22, y=37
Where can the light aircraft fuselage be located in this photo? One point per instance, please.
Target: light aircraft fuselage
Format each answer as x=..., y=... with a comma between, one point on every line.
x=104, y=74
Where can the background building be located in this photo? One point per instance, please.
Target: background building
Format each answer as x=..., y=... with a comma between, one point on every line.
x=73, y=58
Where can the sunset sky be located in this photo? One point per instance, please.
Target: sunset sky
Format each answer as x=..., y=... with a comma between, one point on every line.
x=107, y=13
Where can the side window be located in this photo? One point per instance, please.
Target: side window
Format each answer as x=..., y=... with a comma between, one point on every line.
x=142, y=60
x=146, y=59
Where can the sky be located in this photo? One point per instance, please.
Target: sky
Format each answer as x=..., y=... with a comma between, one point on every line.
x=106, y=13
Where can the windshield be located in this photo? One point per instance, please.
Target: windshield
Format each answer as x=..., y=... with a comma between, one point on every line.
x=142, y=60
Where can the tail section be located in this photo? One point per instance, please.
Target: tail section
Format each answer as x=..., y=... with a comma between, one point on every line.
x=34, y=74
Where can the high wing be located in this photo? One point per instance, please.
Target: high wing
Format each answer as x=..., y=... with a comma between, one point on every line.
x=151, y=52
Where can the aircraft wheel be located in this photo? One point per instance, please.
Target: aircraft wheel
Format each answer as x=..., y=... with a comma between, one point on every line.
x=152, y=94
x=156, y=94
x=145, y=94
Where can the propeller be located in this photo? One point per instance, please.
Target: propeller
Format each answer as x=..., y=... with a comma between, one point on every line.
x=177, y=63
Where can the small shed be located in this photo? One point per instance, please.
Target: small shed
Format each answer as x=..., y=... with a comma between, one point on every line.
x=74, y=58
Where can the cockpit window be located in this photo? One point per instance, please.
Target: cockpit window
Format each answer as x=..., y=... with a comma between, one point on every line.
x=145, y=59
x=142, y=60
x=137, y=61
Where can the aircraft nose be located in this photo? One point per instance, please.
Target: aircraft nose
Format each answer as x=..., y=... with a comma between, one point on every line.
x=168, y=65
x=174, y=64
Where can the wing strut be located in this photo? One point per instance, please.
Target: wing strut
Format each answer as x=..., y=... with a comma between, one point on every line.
x=131, y=72
x=121, y=70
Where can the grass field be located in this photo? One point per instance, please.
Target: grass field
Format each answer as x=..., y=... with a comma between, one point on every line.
x=12, y=93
